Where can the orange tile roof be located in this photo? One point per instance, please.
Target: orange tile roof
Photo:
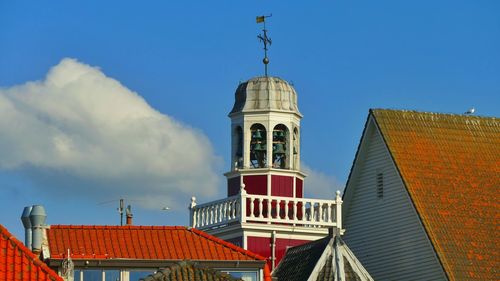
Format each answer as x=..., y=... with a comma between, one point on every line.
x=18, y=263
x=450, y=165
x=141, y=242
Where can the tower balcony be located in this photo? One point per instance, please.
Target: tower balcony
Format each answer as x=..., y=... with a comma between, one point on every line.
x=249, y=209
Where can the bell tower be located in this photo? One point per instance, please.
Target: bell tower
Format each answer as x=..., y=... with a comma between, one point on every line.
x=265, y=210
x=265, y=137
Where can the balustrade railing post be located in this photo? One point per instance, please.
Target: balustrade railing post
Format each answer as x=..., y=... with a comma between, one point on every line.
x=216, y=213
x=338, y=202
x=211, y=214
x=203, y=216
x=320, y=212
x=252, y=207
x=286, y=210
x=224, y=211
x=269, y=212
x=243, y=204
x=294, y=215
x=192, y=218
x=304, y=216
x=234, y=210
x=261, y=208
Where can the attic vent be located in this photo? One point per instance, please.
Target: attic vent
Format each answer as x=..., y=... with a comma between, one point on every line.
x=380, y=185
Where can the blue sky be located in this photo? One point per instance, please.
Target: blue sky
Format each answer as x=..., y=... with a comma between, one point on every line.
x=185, y=60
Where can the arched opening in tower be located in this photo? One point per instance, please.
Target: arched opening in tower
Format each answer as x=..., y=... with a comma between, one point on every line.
x=296, y=149
x=280, y=146
x=258, y=146
x=238, y=152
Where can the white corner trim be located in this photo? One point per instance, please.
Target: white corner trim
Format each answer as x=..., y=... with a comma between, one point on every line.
x=338, y=262
x=321, y=262
x=356, y=264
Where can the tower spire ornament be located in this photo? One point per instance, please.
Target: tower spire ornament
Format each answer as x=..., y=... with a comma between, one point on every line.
x=264, y=39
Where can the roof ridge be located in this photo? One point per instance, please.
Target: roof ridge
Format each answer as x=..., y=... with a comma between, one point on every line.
x=227, y=244
x=372, y=110
x=16, y=243
x=152, y=227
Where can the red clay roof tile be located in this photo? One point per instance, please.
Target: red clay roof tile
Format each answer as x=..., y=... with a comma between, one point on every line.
x=141, y=242
x=18, y=263
x=450, y=165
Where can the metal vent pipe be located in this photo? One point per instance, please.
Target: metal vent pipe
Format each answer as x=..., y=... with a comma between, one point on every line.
x=25, y=218
x=37, y=219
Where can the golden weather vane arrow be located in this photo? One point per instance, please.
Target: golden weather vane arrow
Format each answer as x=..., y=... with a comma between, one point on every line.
x=264, y=39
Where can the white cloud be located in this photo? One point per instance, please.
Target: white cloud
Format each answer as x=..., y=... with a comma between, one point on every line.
x=81, y=133
x=319, y=184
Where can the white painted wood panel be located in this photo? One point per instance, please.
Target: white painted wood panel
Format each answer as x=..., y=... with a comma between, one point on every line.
x=385, y=233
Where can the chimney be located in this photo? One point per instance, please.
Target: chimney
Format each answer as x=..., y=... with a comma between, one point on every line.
x=37, y=218
x=25, y=218
x=129, y=215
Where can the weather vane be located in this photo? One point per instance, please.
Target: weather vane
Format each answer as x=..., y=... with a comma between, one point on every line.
x=264, y=39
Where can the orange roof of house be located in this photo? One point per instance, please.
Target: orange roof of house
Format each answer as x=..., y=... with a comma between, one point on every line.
x=18, y=263
x=450, y=165
x=141, y=242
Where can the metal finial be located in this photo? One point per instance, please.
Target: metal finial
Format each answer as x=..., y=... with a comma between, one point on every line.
x=264, y=39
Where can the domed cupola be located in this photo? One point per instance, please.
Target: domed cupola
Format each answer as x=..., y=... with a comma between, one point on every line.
x=265, y=94
x=265, y=125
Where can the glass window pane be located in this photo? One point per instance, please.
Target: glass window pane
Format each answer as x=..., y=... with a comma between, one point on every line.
x=92, y=275
x=138, y=274
x=112, y=275
x=244, y=275
x=77, y=275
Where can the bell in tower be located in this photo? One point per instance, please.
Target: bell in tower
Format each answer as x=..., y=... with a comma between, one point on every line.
x=280, y=144
x=258, y=146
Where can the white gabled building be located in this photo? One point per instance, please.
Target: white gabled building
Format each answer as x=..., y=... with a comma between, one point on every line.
x=421, y=202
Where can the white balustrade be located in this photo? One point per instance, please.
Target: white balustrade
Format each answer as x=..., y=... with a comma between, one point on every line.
x=215, y=213
x=251, y=208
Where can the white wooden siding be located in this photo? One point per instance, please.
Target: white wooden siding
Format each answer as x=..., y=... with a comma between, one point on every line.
x=385, y=234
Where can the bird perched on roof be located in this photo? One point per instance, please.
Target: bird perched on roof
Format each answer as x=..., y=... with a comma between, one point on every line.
x=470, y=111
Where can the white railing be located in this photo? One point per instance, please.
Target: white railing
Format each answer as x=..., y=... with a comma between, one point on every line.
x=250, y=208
x=215, y=213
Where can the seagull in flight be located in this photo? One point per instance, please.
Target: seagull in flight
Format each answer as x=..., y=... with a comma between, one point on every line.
x=470, y=111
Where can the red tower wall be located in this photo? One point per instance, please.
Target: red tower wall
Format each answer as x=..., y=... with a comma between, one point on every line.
x=263, y=247
x=299, y=185
x=282, y=186
x=260, y=245
x=256, y=184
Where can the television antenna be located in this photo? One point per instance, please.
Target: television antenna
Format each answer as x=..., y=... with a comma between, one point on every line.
x=121, y=207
